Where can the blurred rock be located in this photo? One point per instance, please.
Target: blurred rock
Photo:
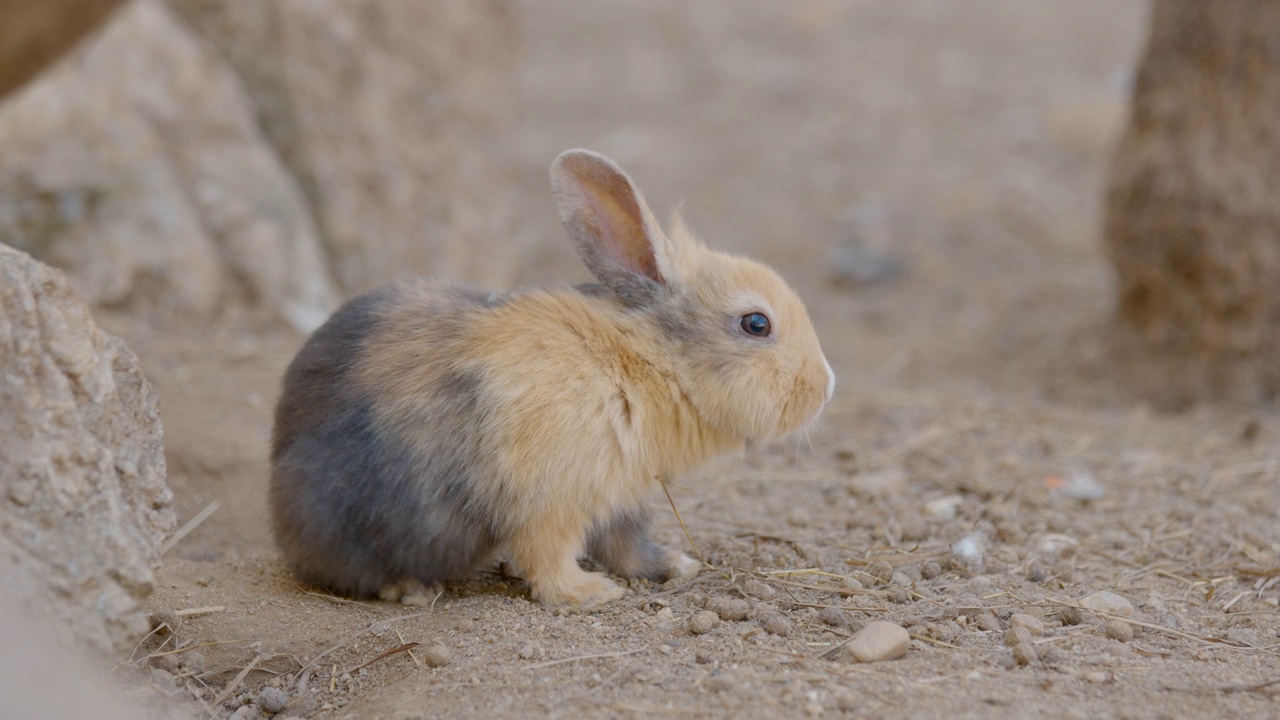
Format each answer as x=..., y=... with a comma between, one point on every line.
x=139, y=168
x=35, y=33
x=83, y=500
x=865, y=256
x=379, y=108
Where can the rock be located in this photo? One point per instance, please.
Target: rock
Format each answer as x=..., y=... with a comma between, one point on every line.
x=878, y=641
x=833, y=616
x=943, y=508
x=272, y=700
x=1119, y=630
x=703, y=622
x=85, y=506
x=1071, y=616
x=730, y=609
x=967, y=553
x=1105, y=601
x=437, y=655
x=381, y=110
x=1016, y=636
x=878, y=484
x=34, y=33
x=1024, y=653
x=1055, y=546
x=1021, y=620
x=930, y=570
x=881, y=571
x=156, y=191
x=775, y=624
x=914, y=528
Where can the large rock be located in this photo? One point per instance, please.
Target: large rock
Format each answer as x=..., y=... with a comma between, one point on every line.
x=1192, y=218
x=35, y=33
x=83, y=501
x=138, y=167
x=384, y=110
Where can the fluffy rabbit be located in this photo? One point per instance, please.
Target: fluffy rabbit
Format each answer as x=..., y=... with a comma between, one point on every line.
x=427, y=430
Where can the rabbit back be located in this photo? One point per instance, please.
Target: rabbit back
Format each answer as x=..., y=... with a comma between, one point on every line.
x=357, y=505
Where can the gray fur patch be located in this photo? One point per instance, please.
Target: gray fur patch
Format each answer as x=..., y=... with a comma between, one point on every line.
x=356, y=508
x=623, y=545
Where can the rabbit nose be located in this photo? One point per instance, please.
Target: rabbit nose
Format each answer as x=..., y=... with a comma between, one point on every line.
x=831, y=381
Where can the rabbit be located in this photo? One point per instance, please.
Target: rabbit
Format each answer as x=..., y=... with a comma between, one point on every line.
x=428, y=430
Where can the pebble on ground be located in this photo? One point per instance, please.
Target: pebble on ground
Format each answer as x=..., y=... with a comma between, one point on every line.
x=880, y=640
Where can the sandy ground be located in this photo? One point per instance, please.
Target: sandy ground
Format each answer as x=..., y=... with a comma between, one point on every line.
x=964, y=145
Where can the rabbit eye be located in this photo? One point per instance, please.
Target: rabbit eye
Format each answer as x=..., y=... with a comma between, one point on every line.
x=755, y=324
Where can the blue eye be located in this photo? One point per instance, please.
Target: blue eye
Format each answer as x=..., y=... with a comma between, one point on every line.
x=755, y=324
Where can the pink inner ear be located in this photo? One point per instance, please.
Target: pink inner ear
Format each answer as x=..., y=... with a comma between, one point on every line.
x=621, y=230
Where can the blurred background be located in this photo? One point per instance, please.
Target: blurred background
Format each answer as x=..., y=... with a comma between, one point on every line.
x=1022, y=229
x=215, y=177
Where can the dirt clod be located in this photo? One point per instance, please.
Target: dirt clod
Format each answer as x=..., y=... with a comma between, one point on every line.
x=1024, y=653
x=1107, y=602
x=833, y=616
x=729, y=609
x=1119, y=630
x=881, y=571
x=703, y=622
x=1031, y=623
x=437, y=655
x=272, y=700
x=774, y=623
x=1016, y=636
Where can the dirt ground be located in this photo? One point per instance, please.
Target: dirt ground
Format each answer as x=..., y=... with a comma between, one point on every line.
x=957, y=153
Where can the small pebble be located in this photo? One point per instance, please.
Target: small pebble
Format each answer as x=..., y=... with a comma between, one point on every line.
x=1055, y=546
x=930, y=570
x=246, y=712
x=902, y=580
x=881, y=571
x=665, y=614
x=272, y=700
x=163, y=678
x=729, y=609
x=757, y=589
x=1107, y=602
x=775, y=624
x=436, y=655
x=166, y=617
x=703, y=622
x=1016, y=636
x=194, y=661
x=1071, y=616
x=1031, y=623
x=914, y=528
x=702, y=657
x=1038, y=574
x=1119, y=630
x=852, y=583
x=943, y=508
x=1025, y=654
x=168, y=663
x=1081, y=487
x=967, y=553
x=880, y=640
x=833, y=616
x=878, y=484
x=988, y=622
x=529, y=652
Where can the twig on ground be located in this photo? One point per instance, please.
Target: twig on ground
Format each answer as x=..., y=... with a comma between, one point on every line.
x=575, y=658
x=189, y=526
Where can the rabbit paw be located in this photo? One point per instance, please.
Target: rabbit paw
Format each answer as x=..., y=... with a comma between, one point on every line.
x=580, y=591
x=683, y=566
x=409, y=592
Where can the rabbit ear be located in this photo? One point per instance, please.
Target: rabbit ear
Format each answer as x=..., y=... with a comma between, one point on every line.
x=611, y=226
